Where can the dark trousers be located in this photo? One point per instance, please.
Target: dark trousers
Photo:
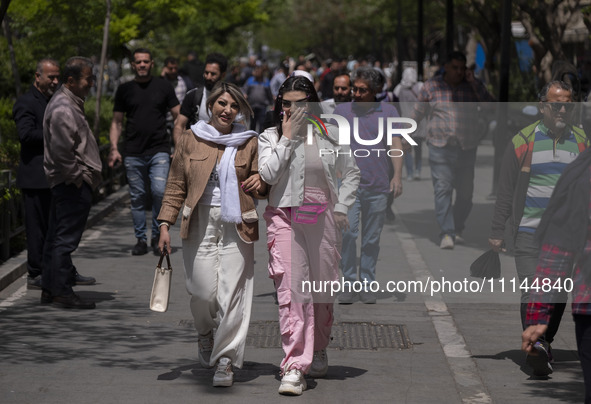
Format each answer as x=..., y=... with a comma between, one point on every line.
x=526, y=262
x=583, y=334
x=258, y=121
x=37, y=204
x=69, y=211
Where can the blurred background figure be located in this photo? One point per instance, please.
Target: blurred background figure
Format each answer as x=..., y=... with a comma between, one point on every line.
x=407, y=92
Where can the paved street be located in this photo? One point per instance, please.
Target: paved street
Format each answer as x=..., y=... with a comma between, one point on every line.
x=410, y=347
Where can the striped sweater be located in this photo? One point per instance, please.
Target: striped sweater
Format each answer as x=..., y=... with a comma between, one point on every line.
x=545, y=159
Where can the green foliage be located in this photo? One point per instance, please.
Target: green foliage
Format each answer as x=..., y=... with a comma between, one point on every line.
x=9, y=142
x=10, y=193
x=65, y=28
x=125, y=28
x=11, y=210
x=522, y=85
x=339, y=28
x=105, y=117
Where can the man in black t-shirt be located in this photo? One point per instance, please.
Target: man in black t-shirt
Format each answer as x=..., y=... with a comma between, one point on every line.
x=193, y=106
x=144, y=102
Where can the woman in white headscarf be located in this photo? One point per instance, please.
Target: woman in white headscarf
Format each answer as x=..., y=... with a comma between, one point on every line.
x=213, y=179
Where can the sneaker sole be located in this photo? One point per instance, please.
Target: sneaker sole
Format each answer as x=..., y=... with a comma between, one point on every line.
x=223, y=383
x=291, y=390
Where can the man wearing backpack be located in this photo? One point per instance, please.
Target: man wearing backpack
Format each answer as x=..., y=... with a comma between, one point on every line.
x=193, y=107
x=533, y=162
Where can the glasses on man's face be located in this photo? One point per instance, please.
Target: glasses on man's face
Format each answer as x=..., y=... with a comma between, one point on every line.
x=287, y=104
x=557, y=106
x=360, y=90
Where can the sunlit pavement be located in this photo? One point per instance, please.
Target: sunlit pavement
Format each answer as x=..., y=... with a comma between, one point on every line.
x=410, y=347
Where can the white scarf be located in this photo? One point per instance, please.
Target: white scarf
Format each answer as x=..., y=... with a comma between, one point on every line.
x=231, y=211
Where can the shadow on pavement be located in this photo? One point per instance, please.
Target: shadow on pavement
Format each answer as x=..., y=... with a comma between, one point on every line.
x=565, y=362
x=120, y=335
x=423, y=224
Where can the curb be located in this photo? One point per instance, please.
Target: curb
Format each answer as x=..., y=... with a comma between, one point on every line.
x=15, y=267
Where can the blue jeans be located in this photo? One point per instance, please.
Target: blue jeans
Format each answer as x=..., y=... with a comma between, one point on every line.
x=69, y=210
x=370, y=209
x=452, y=168
x=146, y=174
x=414, y=164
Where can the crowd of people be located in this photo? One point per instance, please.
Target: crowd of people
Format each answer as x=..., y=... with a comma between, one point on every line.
x=204, y=141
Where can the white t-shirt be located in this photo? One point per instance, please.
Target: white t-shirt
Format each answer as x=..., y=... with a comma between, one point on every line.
x=314, y=175
x=203, y=116
x=212, y=194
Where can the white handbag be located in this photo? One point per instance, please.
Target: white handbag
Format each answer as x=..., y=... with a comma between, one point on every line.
x=161, y=286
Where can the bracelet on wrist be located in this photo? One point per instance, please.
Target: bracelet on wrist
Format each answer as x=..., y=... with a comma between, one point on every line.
x=164, y=224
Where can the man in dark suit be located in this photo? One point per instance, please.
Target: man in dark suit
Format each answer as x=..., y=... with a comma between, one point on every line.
x=28, y=114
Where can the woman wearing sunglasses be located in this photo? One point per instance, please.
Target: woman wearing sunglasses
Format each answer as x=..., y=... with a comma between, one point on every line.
x=305, y=215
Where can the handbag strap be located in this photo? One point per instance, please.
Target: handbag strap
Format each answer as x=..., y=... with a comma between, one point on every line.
x=162, y=255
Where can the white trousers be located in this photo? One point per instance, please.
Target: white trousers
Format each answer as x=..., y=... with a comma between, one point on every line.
x=219, y=269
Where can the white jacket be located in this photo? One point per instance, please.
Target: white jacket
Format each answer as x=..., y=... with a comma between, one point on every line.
x=282, y=165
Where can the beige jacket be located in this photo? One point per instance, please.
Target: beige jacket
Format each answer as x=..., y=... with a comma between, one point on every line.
x=71, y=152
x=193, y=162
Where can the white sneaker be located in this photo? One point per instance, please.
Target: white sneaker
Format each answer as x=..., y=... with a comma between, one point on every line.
x=459, y=239
x=319, y=366
x=447, y=243
x=292, y=383
x=223, y=377
x=205, y=343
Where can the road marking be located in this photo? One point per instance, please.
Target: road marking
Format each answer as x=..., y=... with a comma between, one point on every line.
x=10, y=300
x=462, y=366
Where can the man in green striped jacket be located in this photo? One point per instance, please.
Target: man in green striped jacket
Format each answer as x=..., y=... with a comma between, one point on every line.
x=532, y=164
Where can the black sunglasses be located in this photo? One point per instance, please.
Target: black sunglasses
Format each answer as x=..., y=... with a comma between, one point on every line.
x=557, y=106
x=287, y=104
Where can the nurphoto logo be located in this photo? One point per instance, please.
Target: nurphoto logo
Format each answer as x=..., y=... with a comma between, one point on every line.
x=389, y=127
